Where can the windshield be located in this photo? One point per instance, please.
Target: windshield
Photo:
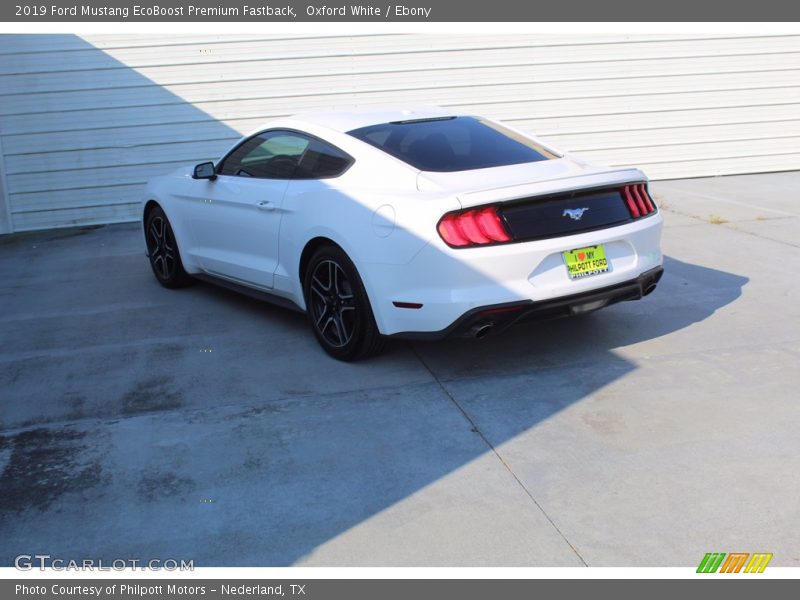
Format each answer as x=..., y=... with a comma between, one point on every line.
x=452, y=144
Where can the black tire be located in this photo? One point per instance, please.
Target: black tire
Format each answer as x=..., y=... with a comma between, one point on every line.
x=338, y=307
x=162, y=249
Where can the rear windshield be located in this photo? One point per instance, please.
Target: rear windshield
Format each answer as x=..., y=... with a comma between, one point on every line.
x=452, y=144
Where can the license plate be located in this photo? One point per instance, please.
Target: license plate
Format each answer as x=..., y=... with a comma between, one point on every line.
x=585, y=262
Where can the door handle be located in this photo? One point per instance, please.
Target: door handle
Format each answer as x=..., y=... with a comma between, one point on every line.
x=265, y=205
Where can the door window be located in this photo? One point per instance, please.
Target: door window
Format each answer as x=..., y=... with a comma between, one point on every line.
x=269, y=155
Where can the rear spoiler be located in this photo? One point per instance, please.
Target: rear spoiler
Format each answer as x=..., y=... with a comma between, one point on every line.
x=599, y=177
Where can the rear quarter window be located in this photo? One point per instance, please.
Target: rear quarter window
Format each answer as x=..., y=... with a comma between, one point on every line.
x=322, y=161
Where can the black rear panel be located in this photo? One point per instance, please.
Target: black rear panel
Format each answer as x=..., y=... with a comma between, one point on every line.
x=564, y=214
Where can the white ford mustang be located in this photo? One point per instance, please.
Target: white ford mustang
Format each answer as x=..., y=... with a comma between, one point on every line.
x=415, y=223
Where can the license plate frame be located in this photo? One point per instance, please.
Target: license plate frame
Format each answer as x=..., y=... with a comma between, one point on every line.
x=587, y=261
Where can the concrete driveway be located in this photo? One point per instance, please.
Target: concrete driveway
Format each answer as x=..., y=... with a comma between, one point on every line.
x=137, y=422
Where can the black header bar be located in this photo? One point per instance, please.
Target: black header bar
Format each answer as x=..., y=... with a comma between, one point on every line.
x=408, y=11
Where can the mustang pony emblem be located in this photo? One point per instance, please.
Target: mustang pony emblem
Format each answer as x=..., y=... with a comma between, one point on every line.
x=574, y=213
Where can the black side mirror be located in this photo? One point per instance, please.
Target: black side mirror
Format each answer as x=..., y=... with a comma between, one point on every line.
x=205, y=171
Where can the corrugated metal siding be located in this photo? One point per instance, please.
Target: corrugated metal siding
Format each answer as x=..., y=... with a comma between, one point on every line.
x=85, y=121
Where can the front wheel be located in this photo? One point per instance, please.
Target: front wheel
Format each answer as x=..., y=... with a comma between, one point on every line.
x=162, y=249
x=338, y=307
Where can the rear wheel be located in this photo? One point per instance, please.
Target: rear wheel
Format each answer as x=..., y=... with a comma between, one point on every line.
x=165, y=258
x=338, y=307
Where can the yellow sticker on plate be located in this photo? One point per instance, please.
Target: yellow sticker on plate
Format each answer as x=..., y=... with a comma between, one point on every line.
x=585, y=262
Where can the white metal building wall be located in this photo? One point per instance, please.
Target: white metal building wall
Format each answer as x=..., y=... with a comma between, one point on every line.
x=85, y=121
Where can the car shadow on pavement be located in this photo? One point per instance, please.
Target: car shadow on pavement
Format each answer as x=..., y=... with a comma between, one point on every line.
x=686, y=295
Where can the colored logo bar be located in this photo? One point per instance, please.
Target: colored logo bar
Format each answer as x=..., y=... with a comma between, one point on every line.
x=735, y=562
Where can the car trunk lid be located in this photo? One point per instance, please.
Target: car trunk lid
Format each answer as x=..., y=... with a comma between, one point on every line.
x=564, y=199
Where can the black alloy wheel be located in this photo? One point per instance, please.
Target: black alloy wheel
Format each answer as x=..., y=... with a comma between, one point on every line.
x=338, y=307
x=162, y=249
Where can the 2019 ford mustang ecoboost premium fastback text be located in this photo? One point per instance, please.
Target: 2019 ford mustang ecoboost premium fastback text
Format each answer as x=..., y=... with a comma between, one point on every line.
x=411, y=223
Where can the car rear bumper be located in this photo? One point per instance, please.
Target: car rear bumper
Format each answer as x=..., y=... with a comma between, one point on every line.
x=441, y=285
x=484, y=320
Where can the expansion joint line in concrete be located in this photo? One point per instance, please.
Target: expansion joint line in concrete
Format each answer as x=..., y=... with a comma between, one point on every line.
x=476, y=429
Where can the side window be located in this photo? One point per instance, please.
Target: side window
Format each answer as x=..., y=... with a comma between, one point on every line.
x=269, y=155
x=321, y=161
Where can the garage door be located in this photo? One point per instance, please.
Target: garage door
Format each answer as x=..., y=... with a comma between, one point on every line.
x=84, y=121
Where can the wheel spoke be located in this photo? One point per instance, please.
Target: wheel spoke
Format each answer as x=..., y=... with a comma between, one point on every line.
x=341, y=330
x=346, y=291
x=347, y=302
x=341, y=282
x=319, y=289
x=169, y=237
x=332, y=283
x=326, y=325
x=322, y=314
x=158, y=263
x=155, y=241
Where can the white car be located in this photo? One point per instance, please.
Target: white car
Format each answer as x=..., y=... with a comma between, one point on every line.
x=411, y=223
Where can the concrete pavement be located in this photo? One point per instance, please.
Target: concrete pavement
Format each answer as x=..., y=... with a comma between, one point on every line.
x=138, y=422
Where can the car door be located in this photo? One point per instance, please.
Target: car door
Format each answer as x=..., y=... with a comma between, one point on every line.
x=236, y=221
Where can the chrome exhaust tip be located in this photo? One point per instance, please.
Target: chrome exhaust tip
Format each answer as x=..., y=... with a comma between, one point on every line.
x=480, y=330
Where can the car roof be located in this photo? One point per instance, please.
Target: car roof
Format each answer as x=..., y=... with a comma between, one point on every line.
x=347, y=120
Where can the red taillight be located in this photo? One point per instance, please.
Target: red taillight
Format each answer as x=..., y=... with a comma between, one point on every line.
x=475, y=227
x=451, y=233
x=638, y=200
x=467, y=222
x=647, y=199
x=632, y=207
x=490, y=224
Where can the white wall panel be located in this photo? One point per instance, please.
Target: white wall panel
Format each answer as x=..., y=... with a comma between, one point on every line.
x=85, y=121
